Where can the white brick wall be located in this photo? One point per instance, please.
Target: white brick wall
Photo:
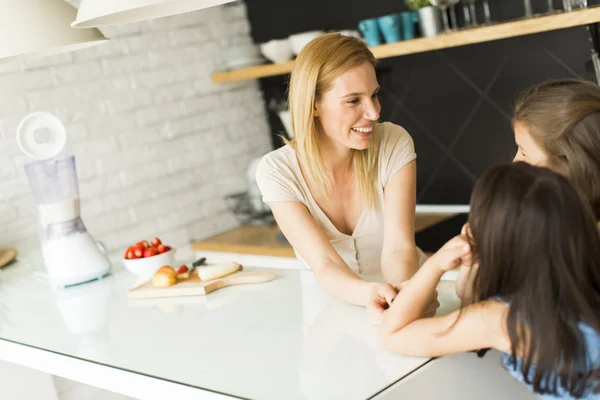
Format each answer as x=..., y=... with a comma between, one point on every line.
x=157, y=144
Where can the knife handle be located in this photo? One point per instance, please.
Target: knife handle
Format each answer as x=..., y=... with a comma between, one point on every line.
x=199, y=262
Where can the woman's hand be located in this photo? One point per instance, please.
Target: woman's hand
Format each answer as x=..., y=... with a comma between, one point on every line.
x=380, y=299
x=378, y=304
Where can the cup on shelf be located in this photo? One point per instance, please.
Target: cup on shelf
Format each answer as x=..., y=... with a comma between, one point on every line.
x=391, y=27
x=370, y=30
x=408, y=24
x=277, y=50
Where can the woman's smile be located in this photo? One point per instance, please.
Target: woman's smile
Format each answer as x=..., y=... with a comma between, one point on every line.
x=363, y=131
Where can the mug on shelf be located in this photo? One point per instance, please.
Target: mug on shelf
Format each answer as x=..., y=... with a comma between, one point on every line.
x=391, y=27
x=370, y=30
x=408, y=24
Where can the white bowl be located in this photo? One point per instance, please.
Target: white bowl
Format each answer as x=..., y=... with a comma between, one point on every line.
x=299, y=40
x=277, y=50
x=286, y=120
x=242, y=56
x=146, y=267
x=352, y=33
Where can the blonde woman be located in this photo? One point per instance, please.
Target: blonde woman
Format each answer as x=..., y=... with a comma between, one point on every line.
x=343, y=189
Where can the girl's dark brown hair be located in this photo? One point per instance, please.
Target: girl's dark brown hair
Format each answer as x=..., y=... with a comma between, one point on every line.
x=563, y=117
x=538, y=248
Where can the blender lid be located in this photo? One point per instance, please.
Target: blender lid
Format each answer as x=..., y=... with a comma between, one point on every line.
x=41, y=135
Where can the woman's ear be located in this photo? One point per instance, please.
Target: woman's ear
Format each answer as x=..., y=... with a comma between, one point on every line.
x=316, y=111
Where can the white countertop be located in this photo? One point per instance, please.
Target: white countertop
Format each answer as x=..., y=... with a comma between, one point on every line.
x=442, y=209
x=286, y=339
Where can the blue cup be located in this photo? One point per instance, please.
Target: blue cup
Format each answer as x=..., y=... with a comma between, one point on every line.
x=391, y=27
x=370, y=31
x=408, y=24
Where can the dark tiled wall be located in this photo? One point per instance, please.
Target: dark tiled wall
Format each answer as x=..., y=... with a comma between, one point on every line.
x=456, y=103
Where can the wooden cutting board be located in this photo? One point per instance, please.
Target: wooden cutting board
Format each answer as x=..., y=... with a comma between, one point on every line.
x=7, y=256
x=193, y=286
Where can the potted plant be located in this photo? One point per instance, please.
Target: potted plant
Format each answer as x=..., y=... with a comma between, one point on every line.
x=429, y=17
x=415, y=5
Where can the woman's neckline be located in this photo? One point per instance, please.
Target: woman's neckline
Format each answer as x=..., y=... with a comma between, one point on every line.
x=309, y=192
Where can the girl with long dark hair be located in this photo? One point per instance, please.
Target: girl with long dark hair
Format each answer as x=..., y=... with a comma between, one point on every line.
x=535, y=295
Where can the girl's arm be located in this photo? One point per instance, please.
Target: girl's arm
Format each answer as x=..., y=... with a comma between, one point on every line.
x=399, y=258
x=301, y=230
x=466, y=275
x=464, y=283
x=480, y=325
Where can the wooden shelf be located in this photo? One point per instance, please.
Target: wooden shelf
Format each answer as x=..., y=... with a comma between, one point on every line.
x=482, y=34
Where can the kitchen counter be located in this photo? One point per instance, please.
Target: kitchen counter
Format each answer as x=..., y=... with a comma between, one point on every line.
x=249, y=239
x=267, y=240
x=285, y=339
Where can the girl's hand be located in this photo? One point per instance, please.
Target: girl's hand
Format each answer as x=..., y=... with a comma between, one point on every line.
x=468, y=268
x=382, y=295
x=454, y=253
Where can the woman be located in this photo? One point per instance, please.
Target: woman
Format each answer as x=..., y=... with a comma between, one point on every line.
x=343, y=189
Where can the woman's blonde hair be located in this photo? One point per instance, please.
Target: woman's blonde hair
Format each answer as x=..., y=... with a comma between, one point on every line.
x=563, y=117
x=319, y=63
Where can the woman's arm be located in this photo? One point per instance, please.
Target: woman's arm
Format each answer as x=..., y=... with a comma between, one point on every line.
x=399, y=258
x=480, y=325
x=331, y=271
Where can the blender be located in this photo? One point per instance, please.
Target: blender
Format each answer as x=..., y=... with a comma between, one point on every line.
x=71, y=255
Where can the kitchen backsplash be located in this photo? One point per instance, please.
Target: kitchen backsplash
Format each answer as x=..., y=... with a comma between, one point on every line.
x=157, y=144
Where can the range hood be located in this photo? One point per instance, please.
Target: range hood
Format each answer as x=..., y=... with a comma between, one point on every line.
x=37, y=28
x=94, y=13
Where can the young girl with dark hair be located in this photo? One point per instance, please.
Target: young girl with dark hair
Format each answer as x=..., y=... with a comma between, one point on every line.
x=535, y=295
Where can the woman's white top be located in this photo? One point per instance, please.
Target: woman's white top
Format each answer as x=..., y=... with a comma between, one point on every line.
x=280, y=179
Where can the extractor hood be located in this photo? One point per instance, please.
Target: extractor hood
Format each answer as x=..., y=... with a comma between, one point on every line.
x=37, y=28
x=94, y=13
